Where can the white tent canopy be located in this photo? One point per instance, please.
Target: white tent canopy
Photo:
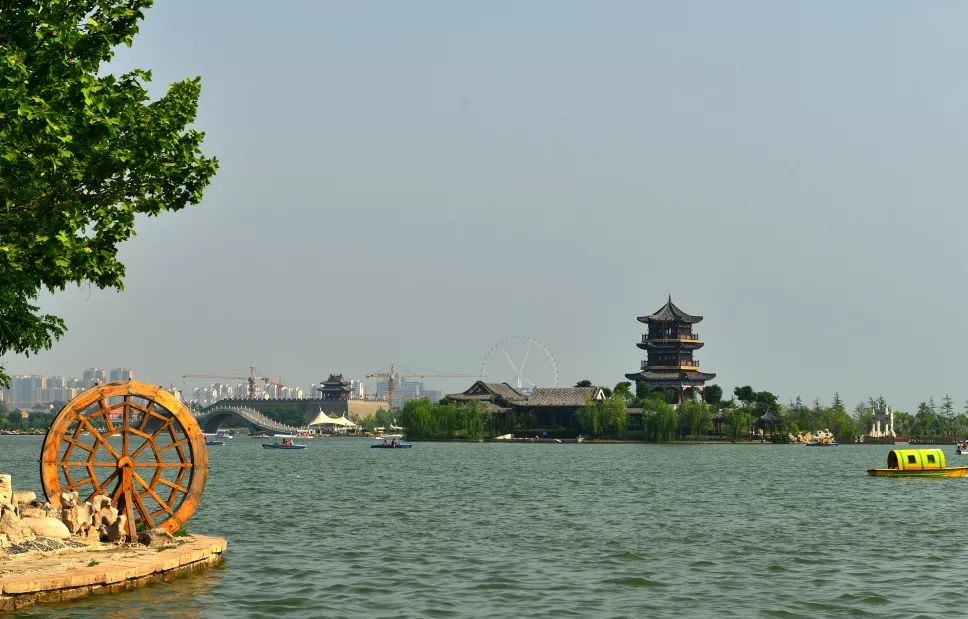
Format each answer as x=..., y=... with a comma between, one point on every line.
x=322, y=419
x=343, y=421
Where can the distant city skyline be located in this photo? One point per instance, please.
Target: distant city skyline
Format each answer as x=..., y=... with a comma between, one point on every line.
x=413, y=182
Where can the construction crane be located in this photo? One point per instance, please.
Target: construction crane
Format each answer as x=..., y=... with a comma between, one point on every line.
x=392, y=376
x=251, y=379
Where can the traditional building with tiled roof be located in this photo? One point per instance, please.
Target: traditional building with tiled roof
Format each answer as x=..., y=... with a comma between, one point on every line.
x=544, y=407
x=669, y=345
x=335, y=388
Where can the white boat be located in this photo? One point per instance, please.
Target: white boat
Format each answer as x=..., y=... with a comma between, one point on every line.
x=388, y=437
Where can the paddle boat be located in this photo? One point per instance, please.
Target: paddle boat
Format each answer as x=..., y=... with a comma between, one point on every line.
x=394, y=444
x=284, y=443
x=962, y=449
x=918, y=463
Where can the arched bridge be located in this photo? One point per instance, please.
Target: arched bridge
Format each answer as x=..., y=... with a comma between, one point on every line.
x=212, y=417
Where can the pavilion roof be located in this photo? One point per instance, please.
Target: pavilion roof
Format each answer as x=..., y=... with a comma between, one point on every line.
x=559, y=396
x=481, y=390
x=670, y=313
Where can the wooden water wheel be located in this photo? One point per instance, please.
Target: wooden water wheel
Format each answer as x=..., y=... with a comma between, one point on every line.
x=134, y=442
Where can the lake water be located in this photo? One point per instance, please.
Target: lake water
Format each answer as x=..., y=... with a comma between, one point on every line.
x=513, y=530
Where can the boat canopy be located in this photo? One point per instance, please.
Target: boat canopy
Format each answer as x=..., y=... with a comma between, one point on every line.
x=915, y=459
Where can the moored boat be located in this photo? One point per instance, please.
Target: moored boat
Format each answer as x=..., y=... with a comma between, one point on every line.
x=918, y=463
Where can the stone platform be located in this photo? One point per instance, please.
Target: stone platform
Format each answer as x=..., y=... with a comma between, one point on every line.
x=59, y=576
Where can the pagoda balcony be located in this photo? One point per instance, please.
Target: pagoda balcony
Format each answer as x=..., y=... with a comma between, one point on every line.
x=669, y=337
x=660, y=365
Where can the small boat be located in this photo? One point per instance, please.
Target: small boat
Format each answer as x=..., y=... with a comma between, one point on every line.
x=962, y=451
x=209, y=441
x=918, y=463
x=282, y=446
x=391, y=446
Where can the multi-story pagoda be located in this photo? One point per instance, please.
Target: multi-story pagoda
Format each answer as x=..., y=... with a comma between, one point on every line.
x=669, y=346
x=335, y=388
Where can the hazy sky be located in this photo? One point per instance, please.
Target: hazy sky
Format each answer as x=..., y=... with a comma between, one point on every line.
x=414, y=181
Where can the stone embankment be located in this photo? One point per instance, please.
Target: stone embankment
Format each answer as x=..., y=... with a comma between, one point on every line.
x=51, y=554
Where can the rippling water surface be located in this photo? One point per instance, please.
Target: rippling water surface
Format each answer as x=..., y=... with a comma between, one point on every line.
x=497, y=530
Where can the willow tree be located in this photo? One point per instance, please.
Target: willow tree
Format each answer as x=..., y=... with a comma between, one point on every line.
x=82, y=153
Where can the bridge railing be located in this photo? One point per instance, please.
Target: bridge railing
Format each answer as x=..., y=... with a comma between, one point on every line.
x=250, y=414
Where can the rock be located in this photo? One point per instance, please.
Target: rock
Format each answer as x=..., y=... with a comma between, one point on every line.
x=24, y=496
x=76, y=517
x=90, y=536
x=6, y=488
x=4, y=541
x=14, y=529
x=156, y=538
x=38, y=509
x=116, y=531
x=47, y=527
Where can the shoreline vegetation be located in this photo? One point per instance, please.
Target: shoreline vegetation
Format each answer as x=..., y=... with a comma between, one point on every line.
x=750, y=416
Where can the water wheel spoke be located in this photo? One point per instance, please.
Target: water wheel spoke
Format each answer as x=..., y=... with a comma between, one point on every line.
x=161, y=502
x=90, y=471
x=175, y=445
x=106, y=413
x=100, y=438
x=139, y=433
x=143, y=510
x=145, y=414
x=157, y=513
x=118, y=491
x=100, y=488
x=173, y=485
x=76, y=443
x=67, y=476
x=72, y=441
x=125, y=425
x=86, y=464
x=163, y=465
x=78, y=484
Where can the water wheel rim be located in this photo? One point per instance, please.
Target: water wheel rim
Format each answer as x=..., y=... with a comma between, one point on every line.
x=184, y=492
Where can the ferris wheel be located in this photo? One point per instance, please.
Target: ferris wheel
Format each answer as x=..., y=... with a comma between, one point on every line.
x=522, y=358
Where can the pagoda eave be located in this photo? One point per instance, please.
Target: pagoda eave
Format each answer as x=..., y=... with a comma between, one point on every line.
x=671, y=376
x=671, y=345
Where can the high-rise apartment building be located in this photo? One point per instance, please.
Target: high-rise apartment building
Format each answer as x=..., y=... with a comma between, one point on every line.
x=120, y=374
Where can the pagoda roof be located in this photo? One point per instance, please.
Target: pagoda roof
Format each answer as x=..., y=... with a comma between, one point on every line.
x=670, y=313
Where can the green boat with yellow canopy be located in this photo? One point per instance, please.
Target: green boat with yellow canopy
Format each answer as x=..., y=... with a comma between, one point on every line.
x=918, y=463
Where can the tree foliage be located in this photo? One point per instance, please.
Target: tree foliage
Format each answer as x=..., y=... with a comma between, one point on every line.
x=608, y=417
x=660, y=421
x=82, y=152
x=695, y=419
x=737, y=424
x=423, y=419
